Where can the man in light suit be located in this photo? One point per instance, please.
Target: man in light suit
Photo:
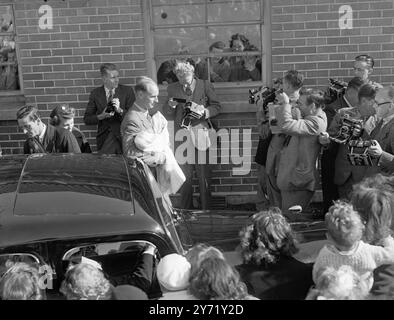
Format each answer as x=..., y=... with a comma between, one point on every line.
x=202, y=93
x=384, y=149
x=108, y=121
x=139, y=119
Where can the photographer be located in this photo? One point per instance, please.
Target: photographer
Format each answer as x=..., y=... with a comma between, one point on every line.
x=297, y=173
x=384, y=132
x=292, y=83
x=363, y=68
x=345, y=173
x=201, y=95
x=106, y=108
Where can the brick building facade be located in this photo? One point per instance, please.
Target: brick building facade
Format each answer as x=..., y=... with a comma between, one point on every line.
x=60, y=65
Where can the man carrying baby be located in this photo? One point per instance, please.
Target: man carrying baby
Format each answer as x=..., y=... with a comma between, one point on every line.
x=145, y=135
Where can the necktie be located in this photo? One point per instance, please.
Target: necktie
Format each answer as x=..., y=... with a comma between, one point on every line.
x=110, y=96
x=188, y=90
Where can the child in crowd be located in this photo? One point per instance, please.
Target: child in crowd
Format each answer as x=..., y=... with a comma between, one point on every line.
x=345, y=231
x=341, y=284
x=173, y=272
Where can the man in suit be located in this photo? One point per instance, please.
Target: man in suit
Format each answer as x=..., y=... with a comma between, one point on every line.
x=346, y=175
x=44, y=138
x=202, y=93
x=384, y=148
x=106, y=107
x=141, y=118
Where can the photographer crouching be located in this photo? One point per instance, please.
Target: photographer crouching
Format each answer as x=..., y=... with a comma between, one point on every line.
x=193, y=102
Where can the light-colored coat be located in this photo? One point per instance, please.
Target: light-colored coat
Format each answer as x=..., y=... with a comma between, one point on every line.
x=298, y=160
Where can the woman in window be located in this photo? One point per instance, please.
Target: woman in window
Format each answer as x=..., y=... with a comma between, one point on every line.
x=243, y=68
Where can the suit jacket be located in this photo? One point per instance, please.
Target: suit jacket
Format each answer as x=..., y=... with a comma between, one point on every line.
x=203, y=94
x=385, y=137
x=82, y=141
x=134, y=122
x=56, y=140
x=288, y=279
x=96, y=105
x=343, y=168
x=297, y=164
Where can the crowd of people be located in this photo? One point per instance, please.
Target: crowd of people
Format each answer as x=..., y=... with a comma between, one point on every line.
x=356, y=263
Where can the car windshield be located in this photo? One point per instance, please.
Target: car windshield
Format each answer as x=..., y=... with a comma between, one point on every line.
x=64, y=186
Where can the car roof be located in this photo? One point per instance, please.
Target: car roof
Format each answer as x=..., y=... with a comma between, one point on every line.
x=59, y=196
x=64, y=185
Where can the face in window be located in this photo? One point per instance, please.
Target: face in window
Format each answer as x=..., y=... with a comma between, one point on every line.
x=111, y=79
x=361, y=70
x=216, y=60
x=238, y=45
x=30, y=127
x=67, y=124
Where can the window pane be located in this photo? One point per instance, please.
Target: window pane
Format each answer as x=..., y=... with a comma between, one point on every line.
x=6, y=19
x=232, y=11
x=178, y=12
x=180, y=41
x=8, y=64
x=252, y=33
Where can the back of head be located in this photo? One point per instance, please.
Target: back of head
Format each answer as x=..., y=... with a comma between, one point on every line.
x=355, y=83
x=86, y=282
x=201, y=251
x=216, y=280
x=268, y=238
x=294, y=78
x=344, y=224
x=27, y=111
x=105, y=67
x=173, y=272
x=21, y=282
x=315, y=96
x=341, y=284
x=367, y=91
x=376, y=206
x=62, y=111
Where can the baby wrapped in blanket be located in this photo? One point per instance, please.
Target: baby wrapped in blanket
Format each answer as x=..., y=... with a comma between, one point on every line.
x=170, y=176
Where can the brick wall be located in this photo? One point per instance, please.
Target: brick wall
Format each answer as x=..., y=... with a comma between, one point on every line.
x=61, y=65
x=306, y=36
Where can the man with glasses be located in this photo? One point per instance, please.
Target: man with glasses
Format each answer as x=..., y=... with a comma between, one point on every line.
x=106, y=108
x=384, y=138
x=44, y=138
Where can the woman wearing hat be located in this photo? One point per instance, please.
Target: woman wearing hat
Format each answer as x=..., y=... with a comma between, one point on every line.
x=63, y=116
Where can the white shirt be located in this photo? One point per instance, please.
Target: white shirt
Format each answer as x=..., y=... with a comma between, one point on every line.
x=42, y=135
x=109, y=92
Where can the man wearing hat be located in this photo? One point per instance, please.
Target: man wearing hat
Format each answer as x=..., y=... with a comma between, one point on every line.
x=44, y=138
x=63, y=117
x=106, y=108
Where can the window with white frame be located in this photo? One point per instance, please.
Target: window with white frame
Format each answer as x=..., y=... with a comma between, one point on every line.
x=9, y=75
x=222, y=38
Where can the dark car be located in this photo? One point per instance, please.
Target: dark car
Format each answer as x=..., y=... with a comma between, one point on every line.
x=55, y=209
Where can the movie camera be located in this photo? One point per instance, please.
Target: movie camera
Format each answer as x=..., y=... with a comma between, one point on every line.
x=336, y=89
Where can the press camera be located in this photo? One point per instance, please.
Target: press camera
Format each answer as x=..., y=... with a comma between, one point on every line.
x=336, y=88
x=111, y=106
x=358, y=155
x=351, y=129
x=191, y=111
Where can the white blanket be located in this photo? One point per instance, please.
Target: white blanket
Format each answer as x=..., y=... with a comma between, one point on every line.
x=170, y=176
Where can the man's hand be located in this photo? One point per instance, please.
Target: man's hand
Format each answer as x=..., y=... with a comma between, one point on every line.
x=152, y=159
x=324, y=138
x=105, y=115
x=116, y=104
x=282, y=98
x=172, y=103
x=375, y=150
